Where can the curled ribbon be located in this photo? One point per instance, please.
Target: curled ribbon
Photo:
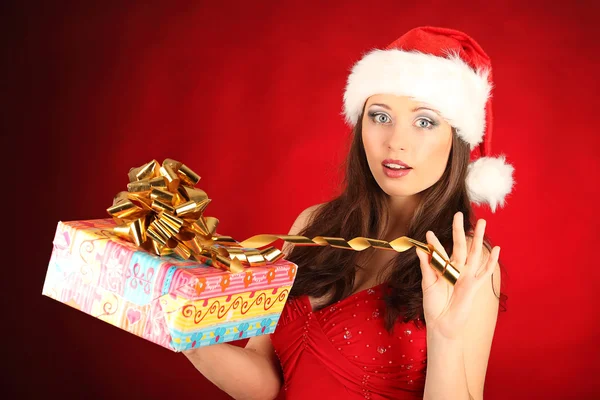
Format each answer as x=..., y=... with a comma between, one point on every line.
x=162, y=212
x=401, y=244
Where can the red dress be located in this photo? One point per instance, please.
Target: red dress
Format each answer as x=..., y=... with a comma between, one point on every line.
x=344, y=351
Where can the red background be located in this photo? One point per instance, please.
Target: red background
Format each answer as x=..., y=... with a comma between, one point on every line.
x=250, y=96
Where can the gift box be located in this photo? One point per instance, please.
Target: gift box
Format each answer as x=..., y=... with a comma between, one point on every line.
x=177, y=303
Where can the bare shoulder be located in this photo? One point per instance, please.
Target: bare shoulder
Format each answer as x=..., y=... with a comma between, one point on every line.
x=303, y=218
x=300, y=223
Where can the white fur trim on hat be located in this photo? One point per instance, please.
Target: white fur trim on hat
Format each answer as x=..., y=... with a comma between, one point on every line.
x=449, y=85
x=489, y=180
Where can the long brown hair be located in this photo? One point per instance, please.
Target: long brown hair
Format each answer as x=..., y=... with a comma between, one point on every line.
x=362, y=209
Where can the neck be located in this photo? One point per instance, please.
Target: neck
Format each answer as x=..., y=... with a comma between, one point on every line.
x=402, y=209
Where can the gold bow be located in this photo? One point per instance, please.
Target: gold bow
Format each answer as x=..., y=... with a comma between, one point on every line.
x=162, y=212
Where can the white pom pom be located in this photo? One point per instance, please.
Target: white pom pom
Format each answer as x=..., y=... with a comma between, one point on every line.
x=489, y=180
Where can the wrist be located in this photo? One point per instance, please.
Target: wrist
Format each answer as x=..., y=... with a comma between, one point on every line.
x=435, y=335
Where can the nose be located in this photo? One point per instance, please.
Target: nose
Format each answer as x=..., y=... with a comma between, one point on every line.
x=398, y=138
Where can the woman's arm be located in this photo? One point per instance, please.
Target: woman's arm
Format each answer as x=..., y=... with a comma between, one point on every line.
x=446, y=377
x=456, y=369
x=244, y=373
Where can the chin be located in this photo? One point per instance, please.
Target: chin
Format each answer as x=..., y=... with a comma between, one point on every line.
x=396, y=189
x=400, y=193
x=399, y=188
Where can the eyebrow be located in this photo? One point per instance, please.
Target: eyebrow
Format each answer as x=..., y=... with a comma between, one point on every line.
x=413, y=110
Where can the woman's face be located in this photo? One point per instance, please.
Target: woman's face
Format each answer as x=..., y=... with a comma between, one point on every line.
x=399, y=128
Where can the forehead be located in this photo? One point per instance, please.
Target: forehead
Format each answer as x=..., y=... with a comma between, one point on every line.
x=394, y=100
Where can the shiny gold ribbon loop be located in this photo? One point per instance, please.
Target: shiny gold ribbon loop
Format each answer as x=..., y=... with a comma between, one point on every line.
x=162, y=195
x=443, y=266
x=145, y=171
x=185, y=208
x=272, y=254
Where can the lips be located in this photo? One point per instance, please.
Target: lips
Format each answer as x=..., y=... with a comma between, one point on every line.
x=397, y=162
x=396, y=173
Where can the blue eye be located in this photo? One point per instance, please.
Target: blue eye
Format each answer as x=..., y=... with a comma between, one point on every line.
x=425, y=123
x=374, y=117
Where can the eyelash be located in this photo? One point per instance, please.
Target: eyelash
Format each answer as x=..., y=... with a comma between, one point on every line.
x=372, y=116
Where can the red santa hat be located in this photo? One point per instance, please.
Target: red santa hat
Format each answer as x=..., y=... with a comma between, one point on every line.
x=449, y=71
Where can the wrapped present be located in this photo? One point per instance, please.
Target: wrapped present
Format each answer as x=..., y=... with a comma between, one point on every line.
x=159, y=270
x=176, y=303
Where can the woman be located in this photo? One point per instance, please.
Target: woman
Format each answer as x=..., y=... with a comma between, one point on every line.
x=371, y=324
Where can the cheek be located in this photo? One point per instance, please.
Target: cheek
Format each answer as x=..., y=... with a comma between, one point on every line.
x=369, y=145
x=439, y=152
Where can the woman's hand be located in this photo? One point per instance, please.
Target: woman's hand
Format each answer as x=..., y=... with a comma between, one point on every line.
x=447, y=307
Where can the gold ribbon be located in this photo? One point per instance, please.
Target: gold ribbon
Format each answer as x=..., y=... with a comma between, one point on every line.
x=401, y=244
x=162, y=212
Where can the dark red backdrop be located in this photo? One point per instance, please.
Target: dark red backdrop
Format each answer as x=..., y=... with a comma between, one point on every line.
x=249, y=96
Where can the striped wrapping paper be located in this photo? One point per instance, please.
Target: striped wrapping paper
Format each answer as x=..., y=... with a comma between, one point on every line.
x=174, y=303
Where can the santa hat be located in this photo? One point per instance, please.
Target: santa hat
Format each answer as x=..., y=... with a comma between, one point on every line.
x=449, y=71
